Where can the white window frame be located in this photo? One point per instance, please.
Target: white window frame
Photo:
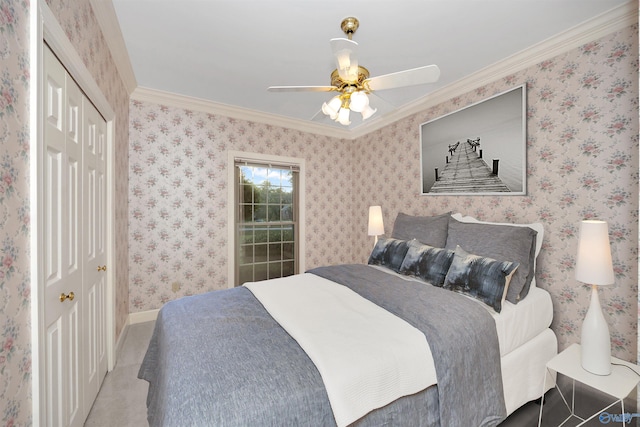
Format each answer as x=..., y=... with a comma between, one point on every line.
x=231, y=205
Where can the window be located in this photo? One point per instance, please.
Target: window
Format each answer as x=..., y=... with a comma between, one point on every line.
x=266, y=220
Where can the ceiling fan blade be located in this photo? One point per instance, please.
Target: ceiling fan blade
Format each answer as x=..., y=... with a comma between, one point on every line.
x=301, y=88
x=380, y=103
x=414, y=76
x=320, y=117
x=346, y=53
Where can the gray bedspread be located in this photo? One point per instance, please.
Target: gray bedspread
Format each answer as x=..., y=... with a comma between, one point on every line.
x=460, y=332
x=219, y=359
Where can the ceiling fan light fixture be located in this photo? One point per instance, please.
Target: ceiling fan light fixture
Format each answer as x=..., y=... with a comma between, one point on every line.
x=352, y=80
x=368, y=112
x=359, y=101
x=343, y=117
x=327, y=111
x=332, y=107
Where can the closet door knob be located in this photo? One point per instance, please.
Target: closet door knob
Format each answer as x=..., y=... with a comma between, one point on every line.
x=103, y=268
x=70, y=296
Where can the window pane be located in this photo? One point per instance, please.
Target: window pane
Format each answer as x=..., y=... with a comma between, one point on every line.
x=246, y=193
x=287, y=178
x=288, y=268
x=260, y=213
x=287, y=195
x=246, y=213
x=260, y=234
x=275, y=233
x=246, y=273
x=260, y=174
x=260, y=253
x=274, y=213
x=275, y=270
x=275, y=251
x=286, y=213
x=246, y=254
x=274, y=196
x=287, y=233
x=246, y=235
x=287, y=251
x=260, y=194
x=260, y=272
x=246, y=173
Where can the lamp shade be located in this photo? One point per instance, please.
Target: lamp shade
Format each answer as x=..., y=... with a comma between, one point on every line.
x=358, y=101
x=343, y=116
x=376, y=226
x=593, y=263
x=332, y=107
x=368, y=112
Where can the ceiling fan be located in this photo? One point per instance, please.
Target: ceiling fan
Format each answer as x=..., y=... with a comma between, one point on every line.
x=352, y=81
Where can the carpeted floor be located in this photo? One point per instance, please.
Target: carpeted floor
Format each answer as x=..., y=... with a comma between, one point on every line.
x=122, y=400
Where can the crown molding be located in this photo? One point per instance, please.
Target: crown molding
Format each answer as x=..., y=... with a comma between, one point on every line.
x=206, y=106
x=108, y=21
x=606, y=23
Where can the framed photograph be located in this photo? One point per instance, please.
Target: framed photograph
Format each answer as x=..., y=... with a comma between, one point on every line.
x=478, y=150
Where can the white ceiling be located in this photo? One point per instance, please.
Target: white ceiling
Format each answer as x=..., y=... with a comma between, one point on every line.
x=229, y=51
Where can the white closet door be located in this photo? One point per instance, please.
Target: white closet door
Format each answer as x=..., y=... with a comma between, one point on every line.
x=73, y=194
x=94, y=256
x=62, y=244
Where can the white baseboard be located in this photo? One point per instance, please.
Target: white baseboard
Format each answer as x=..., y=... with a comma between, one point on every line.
x=143, y=316
x=120, y=342
x=132, y=319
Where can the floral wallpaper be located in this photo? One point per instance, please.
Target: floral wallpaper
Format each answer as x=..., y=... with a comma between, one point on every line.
x=582, y=154
x=582, y=163
x=178, y=197
x=76, y=17
x=15, y=321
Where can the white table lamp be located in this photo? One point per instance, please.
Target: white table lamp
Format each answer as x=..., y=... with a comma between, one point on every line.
x=594, y=267
x=376, y=225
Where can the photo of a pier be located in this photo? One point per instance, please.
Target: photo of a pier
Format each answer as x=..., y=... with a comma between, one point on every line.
x=480, y=149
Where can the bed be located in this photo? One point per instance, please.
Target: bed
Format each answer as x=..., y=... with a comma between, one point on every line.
x=444, y=326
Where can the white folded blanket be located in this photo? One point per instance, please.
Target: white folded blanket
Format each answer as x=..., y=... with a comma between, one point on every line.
x=367, y=357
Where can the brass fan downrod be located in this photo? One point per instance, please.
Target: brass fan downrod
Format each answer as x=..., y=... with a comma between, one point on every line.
x=349, y=26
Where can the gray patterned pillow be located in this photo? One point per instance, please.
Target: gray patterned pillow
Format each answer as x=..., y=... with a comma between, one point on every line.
x=389, y=253
x=429, y=230
x=426, y=262
x=484, y=279
x=499, y=242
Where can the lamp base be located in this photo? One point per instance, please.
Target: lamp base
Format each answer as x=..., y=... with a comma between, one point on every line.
x=596, y=341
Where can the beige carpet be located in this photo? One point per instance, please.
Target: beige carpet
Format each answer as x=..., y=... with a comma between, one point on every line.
x=122, y=398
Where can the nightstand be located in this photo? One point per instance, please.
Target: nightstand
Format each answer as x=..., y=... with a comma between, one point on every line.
x=618, y=384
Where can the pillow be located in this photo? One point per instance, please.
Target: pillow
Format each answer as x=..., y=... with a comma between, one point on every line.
x=426, y=262
x=534, y=225
x=484, y=279
x=499, y=241
x=389, y=253
x=430, y=230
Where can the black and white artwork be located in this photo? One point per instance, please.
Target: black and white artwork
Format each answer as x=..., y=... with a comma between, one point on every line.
x=479, y=150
